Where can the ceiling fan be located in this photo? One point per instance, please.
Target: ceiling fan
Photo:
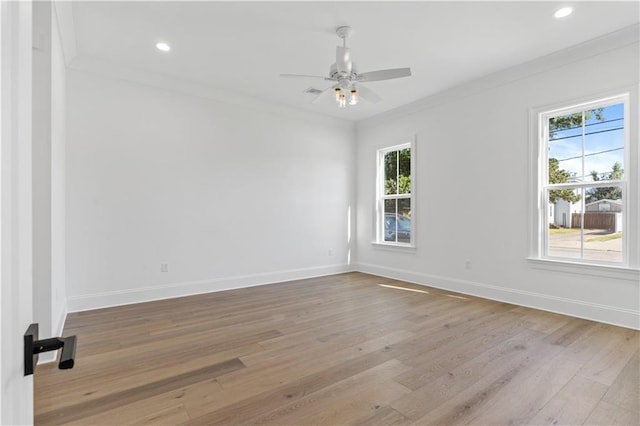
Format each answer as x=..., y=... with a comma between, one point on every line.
x=346, y=77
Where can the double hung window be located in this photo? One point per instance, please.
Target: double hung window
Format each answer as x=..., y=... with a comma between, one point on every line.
x=395, y=206
x=584, y=182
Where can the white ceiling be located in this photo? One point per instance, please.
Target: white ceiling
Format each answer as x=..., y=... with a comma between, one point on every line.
x=243, y=47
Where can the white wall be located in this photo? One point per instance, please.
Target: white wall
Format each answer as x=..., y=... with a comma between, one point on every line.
x=49, y=104
x=473, y=149
x=227, y=194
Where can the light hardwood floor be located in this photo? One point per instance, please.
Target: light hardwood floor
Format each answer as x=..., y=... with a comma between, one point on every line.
x=345, y=349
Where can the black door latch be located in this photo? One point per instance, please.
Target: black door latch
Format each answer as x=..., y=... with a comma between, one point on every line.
x=33, y=346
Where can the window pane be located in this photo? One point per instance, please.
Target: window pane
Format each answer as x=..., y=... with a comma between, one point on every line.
x=391, y=173
x=564, y=234
x=594, y=233
x=603, y=224
x=404, y=220
x=390, y=222
x=604, y=143
x=603, y=199
x=565, y=148
x=404, y=177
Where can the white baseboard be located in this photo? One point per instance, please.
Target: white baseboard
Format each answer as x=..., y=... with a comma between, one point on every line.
x=168, y=291
x=61, y=320
x=596, y=312
x=47, y=357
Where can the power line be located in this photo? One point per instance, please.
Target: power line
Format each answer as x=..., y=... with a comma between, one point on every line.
x=587, y=125
x=586, y=134
x=592, y=153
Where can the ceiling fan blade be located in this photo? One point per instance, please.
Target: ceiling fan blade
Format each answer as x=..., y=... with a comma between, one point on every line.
x=322, y=95
x=343, y=59
x=303, y=76
x=384, y=74
x=367, y=94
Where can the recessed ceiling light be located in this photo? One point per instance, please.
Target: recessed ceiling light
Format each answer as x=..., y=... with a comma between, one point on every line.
x=563, y=12
x=163, y=47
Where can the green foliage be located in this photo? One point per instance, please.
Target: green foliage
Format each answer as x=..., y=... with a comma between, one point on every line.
x=558, y=175
x=390, y=186
x=614, y=236
x=570, y=121
x=606, y=193
x=397, y=181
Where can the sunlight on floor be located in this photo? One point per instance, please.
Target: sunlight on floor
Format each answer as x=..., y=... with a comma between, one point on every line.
x=457, y=297
x=403, y=288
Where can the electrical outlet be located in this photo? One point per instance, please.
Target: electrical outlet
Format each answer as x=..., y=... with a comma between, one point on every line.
x=467, y=263
x=330, y=252
x=164, y=267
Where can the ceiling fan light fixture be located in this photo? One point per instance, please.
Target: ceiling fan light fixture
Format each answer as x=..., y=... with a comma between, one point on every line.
x=353, y=99
x=342, y=103
x=338, y=94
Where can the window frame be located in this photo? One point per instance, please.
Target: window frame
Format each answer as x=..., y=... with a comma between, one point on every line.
x=409, y=143
x=540, y=209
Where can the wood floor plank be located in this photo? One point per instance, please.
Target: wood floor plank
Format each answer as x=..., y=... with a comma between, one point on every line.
x=625, y=390
x=139, y=413
x=333, y=404
x=82, y=409
x=94, y=385
x=268, y=400
x=384, y=415
x=607, y=414
x=544, y=322
x=547, y=375
x=572, y=405
x=264, y=379
x=503, y=360
x=460, y=410
x=607, y=365
x=443, y=356
x=344, y=349
x=354, y=406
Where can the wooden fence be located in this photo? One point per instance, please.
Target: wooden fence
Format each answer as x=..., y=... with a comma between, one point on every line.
x=594, y=220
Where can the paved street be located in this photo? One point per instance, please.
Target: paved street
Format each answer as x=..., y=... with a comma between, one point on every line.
x=567, y=244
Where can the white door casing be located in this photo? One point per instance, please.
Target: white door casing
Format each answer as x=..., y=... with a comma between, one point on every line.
x=16, y=391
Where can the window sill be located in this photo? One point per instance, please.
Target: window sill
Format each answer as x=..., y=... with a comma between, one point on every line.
x=606, y=271
x=394, y=247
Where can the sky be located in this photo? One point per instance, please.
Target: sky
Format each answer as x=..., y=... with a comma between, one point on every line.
x=600, y=136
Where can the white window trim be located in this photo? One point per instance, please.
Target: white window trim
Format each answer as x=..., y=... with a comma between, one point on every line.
x=408, y=142
x=538, y=174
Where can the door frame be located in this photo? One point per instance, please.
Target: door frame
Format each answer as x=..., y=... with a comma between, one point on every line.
x=16, y=282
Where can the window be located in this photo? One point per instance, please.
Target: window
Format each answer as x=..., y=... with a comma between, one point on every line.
x=583, y=182
x=395, y=195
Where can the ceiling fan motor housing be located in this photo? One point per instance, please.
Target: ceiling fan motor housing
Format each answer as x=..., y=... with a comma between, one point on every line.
x=343, y=76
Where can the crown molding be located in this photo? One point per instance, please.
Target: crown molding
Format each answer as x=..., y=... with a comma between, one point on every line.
x=114, y=70
x=609, y=42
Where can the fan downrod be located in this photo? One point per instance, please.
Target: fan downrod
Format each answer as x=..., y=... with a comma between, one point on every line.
x=344, y=32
